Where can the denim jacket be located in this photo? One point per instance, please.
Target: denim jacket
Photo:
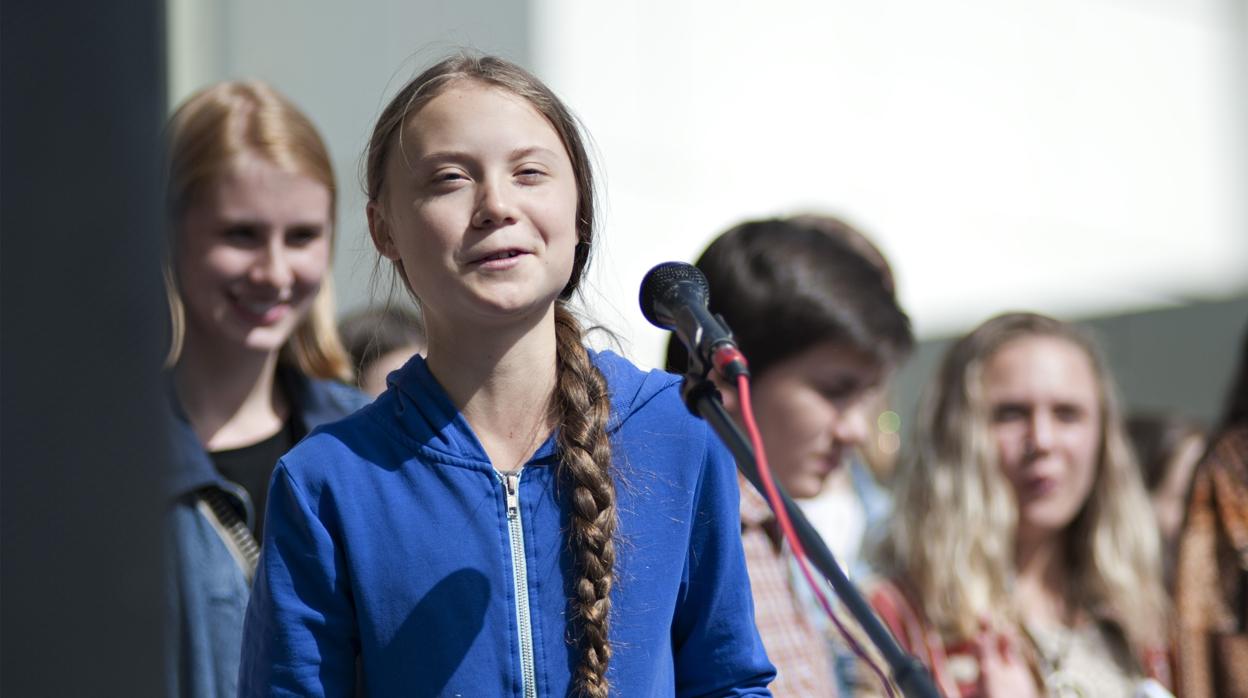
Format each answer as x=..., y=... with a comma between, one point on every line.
x=207, y=586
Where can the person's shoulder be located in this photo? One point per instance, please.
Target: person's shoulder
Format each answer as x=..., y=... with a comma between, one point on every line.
x=882, y=586
x=637, y=393
x=318, y=400
x=343, y=449
x=659, y=435
x=895, y=603
x=624, y=372
x=334, y=399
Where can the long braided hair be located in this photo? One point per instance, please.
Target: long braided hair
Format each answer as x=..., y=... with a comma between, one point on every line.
x=580, y=404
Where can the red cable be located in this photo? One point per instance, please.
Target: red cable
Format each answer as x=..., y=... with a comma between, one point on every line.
x=786, y=527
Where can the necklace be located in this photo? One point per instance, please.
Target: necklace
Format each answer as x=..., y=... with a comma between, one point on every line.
x=1053, y=647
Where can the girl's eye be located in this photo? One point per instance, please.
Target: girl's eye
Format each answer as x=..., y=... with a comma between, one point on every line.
x=839, y=391
x=242, y=234
x=1069, y=414
x=530, y=175
x=1009, y=413
x=303, y=235
x=448, y=176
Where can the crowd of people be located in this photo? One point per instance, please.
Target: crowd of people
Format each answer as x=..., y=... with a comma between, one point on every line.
x=467, y=500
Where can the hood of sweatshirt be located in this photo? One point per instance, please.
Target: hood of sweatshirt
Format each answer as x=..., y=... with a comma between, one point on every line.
x=428, y=417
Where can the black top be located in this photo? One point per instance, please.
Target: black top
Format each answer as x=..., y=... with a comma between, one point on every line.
x=252, y=466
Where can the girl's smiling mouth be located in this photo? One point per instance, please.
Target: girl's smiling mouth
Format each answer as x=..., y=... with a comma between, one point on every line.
x=500, y=260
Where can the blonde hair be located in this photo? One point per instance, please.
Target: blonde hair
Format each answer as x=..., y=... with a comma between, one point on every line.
x=207, y=134
x=580, y=404
x=951, y=540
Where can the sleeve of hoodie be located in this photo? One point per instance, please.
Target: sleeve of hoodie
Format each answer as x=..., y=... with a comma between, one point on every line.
x=299, y=638
x=717, y=646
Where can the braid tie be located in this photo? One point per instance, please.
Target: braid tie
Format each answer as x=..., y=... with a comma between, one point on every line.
x=582, y=408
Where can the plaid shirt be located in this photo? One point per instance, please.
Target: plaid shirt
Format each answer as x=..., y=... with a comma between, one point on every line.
x=804, y=664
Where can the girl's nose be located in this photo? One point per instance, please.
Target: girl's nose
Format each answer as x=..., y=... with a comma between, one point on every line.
x=1039, y=432
x=494, y=206
x=273, y=266
x=853, y=423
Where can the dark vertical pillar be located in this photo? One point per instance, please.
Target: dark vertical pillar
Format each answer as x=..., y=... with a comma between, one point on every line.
x=81, y=303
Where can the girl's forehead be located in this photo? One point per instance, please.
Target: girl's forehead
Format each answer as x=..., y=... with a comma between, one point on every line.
x=470, y=104
x=1042, y=364
x=253, y=175
x=473, y=121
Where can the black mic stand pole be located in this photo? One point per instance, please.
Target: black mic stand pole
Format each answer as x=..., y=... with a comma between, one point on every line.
x=907, y=672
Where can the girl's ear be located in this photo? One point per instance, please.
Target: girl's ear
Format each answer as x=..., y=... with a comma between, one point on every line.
x=379, y=228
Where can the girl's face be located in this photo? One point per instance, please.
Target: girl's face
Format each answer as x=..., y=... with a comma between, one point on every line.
x=253, y=250
x=811, y=408
x=1045, y=422
x=479, y=204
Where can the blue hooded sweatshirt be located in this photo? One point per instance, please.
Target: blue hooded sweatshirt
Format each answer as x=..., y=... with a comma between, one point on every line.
x=396, y=559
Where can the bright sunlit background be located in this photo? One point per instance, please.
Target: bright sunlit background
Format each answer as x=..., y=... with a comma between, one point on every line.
x=1075, y=156
x=1083, y=158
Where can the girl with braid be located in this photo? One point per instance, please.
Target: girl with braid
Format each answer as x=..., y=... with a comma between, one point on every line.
x=516, y=515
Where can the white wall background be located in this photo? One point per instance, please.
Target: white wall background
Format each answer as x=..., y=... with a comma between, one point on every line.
x=1072, y=156
x=1079, y=157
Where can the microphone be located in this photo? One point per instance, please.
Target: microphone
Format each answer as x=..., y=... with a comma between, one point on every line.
x=674, y=296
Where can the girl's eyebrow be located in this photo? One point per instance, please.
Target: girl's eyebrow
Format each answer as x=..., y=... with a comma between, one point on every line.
x=460, y=155
x=521, y=153
x=440, y=155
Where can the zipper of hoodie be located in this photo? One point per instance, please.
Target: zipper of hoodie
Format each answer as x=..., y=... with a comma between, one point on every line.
x=520, y=580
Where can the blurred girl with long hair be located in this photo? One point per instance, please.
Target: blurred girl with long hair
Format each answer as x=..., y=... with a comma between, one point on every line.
x=1023, y=555
x=255, y=361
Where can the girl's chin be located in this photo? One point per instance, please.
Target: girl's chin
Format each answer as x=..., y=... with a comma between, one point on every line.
x=1044, y=524
x=266, y=339
x=270, y=332
x=804, y=488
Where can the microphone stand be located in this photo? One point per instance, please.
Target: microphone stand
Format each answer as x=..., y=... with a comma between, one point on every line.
x=908, y=673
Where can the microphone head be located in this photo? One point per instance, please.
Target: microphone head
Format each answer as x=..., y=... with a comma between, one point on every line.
x=667, y=282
